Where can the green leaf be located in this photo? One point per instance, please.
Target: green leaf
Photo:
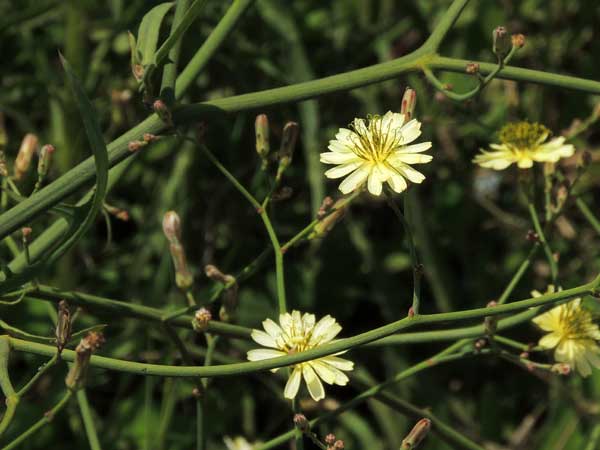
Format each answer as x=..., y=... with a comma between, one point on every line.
x=147, y=39
x=83, y=216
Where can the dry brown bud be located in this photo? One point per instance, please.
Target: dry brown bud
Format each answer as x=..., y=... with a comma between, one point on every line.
x=518, y=40
x=472, y=68
x=409, y=101
x=330, y=439
x=201, y=319
x=416, y=435
x=28, y=147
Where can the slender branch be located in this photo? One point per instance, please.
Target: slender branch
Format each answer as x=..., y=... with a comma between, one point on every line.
x=279, y=270
x=542, y=237
x=321, y=351
x=445, y=24
x=88, y=420
x=587, y=213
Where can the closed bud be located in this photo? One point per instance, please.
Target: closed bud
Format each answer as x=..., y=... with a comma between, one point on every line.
x=518, y=40
x=409, y=101
x=26, y=233
x=288, y=144
x=416, y=435
x=261, y=128
x=83, y=352
x=163, y=111
x=501, y=42
x=201, y=319
x=28, y=148
x=44, y=160
x=229, y=298
x=301, y=422
x=561, y=369
x=137, y=69
x=562, y=193
x=172, y=227
x=338, y=445
x=490, y=323
x=326, y=205
x=472, y=68
x=63, y=326
x=327, y=222
x=330, y=439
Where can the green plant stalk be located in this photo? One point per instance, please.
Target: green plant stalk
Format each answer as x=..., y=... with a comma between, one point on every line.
x=199, y=61
x=593, y=442
x=518, y=274
x=542, y=237
x=279, y=269
x=83, y=173
x=321, y=351
x=445, y=431
x=88, y=420
x=169, y=76
x=12, y=399
x=48, y=416
x=41, y=371
x=587, y=213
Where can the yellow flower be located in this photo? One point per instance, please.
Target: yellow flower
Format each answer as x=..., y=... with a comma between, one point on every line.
x=523, y=143
x=297, y=333
x=239, y=443
x=376, y=151
x=572, y=334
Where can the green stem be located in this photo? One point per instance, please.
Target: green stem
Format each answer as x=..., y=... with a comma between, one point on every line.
x=324, y=350
x=587, y=213
x=518, y=274
x=445, y=24
x=48, y=416
x=594, y=439
x=12, y=399
x=41, y=371
x=542, y=237
x=88, y=420
x=198, y=62
x=417, y=270
x=279, y=270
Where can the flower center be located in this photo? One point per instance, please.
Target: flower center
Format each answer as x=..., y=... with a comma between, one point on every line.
x=375, y=142
x=575, y=322
x=523, y=135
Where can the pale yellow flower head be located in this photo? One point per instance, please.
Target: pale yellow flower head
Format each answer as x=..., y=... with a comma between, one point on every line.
x=523, y=143
x=572, y=333
x=376, y=151
x=295, y=333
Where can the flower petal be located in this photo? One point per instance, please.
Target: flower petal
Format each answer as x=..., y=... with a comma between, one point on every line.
x=550, y=340
x=343, y=170
x=293, y=383
x=313, y=383
x=272, y=328
x=355, y=179
x=264, y=339
x=338, y=158
x=410, y=131
x=397, y=182
x=263, y=353
x=410, y=158
x=329, y=373
x=340, y=363
x=376, y=178
x=416, y=148
x=324, y=331
x=408, y=172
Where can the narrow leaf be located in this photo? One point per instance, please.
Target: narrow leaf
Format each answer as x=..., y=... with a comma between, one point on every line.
x=147, y=39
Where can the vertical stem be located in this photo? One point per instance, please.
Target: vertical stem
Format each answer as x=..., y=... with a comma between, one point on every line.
x=587, y=213
x=543, y=240
x=279, y=270
x=298, y=435
x=417, y=270
x=12, y=398
x=88, y=420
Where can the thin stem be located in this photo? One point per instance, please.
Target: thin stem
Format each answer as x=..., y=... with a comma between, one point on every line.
x=544, y=241
x=587, y=213
x=41, y=371
x=199, y=61
x=417, y=269
x=88, y=420
x=445, y=24
x=279, y=270
x=48, y=416
x=518, y=274
x=12, y=399
x=321, y=351
x=594, y=439
x=298, y=434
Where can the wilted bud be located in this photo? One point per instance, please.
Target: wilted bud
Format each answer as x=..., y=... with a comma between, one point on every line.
x=163, y=111
x=326, y=223
x=416, y=435
x=338, y=445
x=490, y=323
x=330, y=439
x=201, y=319
x=561, y=369
x=261, y=128
x=134, y=146
x=562, y=193
x=229, y=298
x=136, y=67
x=409, y=101
x=119, y=213
x=172, y=230
x=26, y=233
x=472, y=68
x=44, y=160
x=63, y=326
x=28, y=147
x=301, y=422
x=326, y=205
x=89, y=344
x=518, y=40
x=501, y=42
x=288, y=144
x=172, y=227
x=149, y=138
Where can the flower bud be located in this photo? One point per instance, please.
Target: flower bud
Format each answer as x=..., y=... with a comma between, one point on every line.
x=409, y=101
x=44, y=160
x=501, y=42
x=26, y=233
x=201, y=319
x=163, y=111
x=77, y=373
x=338, y=445
x=229, y=299
x=63, y=326
x=416, y=435
x=172, y=227
x=330, y=439
x=137, y=69
x=518, y=40
x=172, y=230
x=288, y=144
x=301, y=422
x=472, y=68
x=586, y=159
x=490, y=323
x=326, y=223
x=261, y=128
x=26, y=151
x=561, y=369
x=326, y=205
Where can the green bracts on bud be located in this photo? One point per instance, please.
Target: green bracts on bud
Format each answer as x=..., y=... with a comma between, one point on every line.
x=63, y=326
x=288, y=144
x=501, y=42
x=261, y=128
x=44, y=160
x=28, y=147
x=416, y=435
